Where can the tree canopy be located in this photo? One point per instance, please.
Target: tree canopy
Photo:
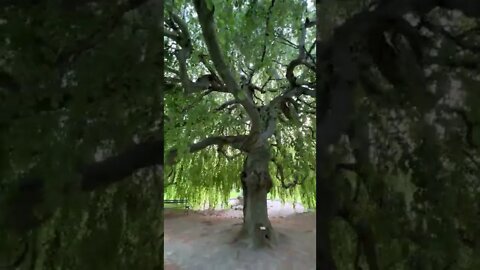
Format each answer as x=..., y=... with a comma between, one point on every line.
x=268, y=46
x=238, y=102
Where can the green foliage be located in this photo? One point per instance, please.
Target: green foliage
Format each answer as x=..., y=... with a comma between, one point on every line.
x=208, y=176
x=204, y=178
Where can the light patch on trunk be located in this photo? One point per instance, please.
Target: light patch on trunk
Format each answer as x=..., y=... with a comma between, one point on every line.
x=263, y=228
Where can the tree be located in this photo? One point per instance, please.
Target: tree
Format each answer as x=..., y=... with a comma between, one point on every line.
x=80, y=85
x=396, y=96
x=239, y=103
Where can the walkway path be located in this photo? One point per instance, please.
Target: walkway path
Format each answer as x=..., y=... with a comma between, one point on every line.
x=203, y=241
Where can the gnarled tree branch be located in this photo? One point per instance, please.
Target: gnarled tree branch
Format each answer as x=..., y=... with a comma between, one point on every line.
x=236, y=142
x=281, y=176
x=20, y=206
x=205, y=16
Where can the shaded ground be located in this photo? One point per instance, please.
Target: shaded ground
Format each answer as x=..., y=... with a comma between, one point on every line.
x=202, y=240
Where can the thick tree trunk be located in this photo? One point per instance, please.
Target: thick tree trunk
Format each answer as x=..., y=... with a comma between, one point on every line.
x=244, y=194
x=256, y=183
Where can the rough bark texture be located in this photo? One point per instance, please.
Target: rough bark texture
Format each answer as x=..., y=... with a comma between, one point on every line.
x=244, y=194
x=256, y=183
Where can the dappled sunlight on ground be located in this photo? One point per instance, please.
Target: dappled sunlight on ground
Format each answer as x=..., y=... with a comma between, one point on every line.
x=202, y=240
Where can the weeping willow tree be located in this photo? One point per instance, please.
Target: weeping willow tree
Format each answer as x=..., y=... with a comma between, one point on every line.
x=81, y=104
x=398, y=85
x=239, y=104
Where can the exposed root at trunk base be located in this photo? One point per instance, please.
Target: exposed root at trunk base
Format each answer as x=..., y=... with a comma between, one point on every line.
x=263, y=236
x=260, y=237
x=241, y=237
x=256, y=183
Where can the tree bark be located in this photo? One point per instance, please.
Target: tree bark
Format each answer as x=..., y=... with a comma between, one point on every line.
x=256, y=183
x=244, y=194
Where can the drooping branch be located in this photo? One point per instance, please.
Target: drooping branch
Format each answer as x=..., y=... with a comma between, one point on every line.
x=171, y=175
x=290, y=93
x=281, y=176
x=236, y=142
x=205, y=16
x=19, y=214
x=301, y=41
x=116, y=168
x=180, y=34
x=291, y=67
x=267, y=20
x=285, y=41
x=301, y=58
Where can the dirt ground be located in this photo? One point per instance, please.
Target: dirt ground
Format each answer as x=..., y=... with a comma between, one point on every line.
x=202, y=240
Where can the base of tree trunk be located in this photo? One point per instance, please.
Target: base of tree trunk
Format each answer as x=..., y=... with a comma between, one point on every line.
x=256, y=224
x=256, y=183
x=261, y=238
